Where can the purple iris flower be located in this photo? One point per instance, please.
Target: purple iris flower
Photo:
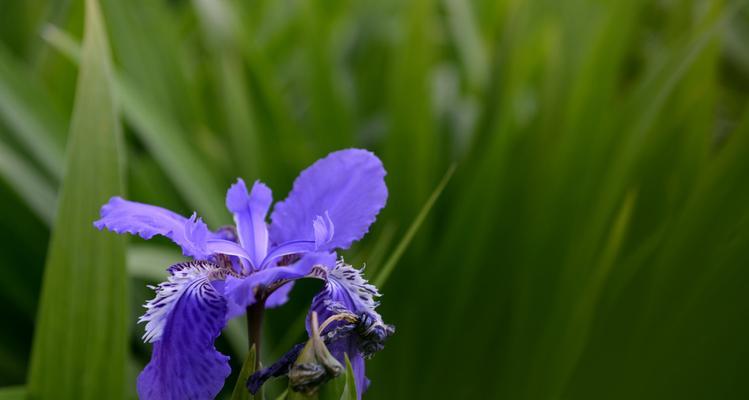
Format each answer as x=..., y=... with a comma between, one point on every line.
x=332, y=204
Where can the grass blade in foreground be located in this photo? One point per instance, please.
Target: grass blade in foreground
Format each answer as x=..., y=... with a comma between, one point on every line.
x=80, y=343
x=240, y=391
x=349, y=391
x=12, y=393
x=383, y=275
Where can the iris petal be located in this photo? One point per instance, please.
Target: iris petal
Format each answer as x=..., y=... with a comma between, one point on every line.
x=242, y=290
x=346, y=287
x=289, y=248
x=280, y=296
x=348, y=185
x=145, y=220
x=349, y=346
x=249, y=215
x=226, y=247
x=185, y=364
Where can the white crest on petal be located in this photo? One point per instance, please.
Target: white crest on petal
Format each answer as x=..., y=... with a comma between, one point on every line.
x=186, y=276
x=352, y=281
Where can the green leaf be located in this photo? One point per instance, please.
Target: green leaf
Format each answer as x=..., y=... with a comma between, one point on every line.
x=149, y=262
x=28, y=112
x=30, y=185
x=292, y=395
x=225, y=62
x=61, y=41
x=412, y=229
x=464, y=33
x=80, y=347
x=349, y=391
x=13, y=393
x=334, y=389
x=341, y=388
x=248, y=368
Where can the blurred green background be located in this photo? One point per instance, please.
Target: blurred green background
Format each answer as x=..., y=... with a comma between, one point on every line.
x=593, y=242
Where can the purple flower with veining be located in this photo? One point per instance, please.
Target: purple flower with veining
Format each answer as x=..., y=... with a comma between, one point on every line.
x=332, y=204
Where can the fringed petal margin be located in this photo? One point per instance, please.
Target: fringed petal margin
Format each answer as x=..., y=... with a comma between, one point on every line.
x=183, y=321
x=346, y=290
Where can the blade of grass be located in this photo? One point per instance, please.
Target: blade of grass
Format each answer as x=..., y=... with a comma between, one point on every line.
x=62, y=42
x=161, y=135
x=28, y=112
x=240, y=391
x=374, y=256
x=80, y=345
x=149, y=262
x=465, y=34
x=582, y=317
x=392, y=261
x=222, y=34
x=349, y=390
x=28, y=183
x=13, y=393
x=411, y=148
x=236, y=334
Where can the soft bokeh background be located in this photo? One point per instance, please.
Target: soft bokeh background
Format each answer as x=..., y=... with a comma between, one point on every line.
x=593, y=242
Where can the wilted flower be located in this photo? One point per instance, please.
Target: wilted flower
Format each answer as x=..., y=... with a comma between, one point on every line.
x=315, y=365
x=343, y=332
x=332, y=204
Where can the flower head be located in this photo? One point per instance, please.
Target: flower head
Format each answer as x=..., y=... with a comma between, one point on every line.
x=350, y=328
x=332, y=204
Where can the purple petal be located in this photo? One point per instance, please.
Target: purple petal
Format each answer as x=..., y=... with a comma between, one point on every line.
x=121, y=216
x=242, y=290
x=357, y=366
x=280, y=296
x=348, y=185
x=226, y=247
x=348, y=346
x=288, y=248
x=324, y=230
x=346, y=287
x=184, y=320
x=249, y=215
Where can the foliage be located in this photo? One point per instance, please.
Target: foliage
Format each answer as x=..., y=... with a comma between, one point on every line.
x=592, y=243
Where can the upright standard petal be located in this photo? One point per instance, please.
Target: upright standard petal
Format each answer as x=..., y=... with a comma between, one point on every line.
x=144, y=220
x=249, y=215
x=184, y=319
x=333, y=202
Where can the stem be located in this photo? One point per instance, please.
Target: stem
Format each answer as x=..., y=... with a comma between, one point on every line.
x=255, y=327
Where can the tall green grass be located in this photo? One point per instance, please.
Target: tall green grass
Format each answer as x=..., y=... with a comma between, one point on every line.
x=592, y=243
